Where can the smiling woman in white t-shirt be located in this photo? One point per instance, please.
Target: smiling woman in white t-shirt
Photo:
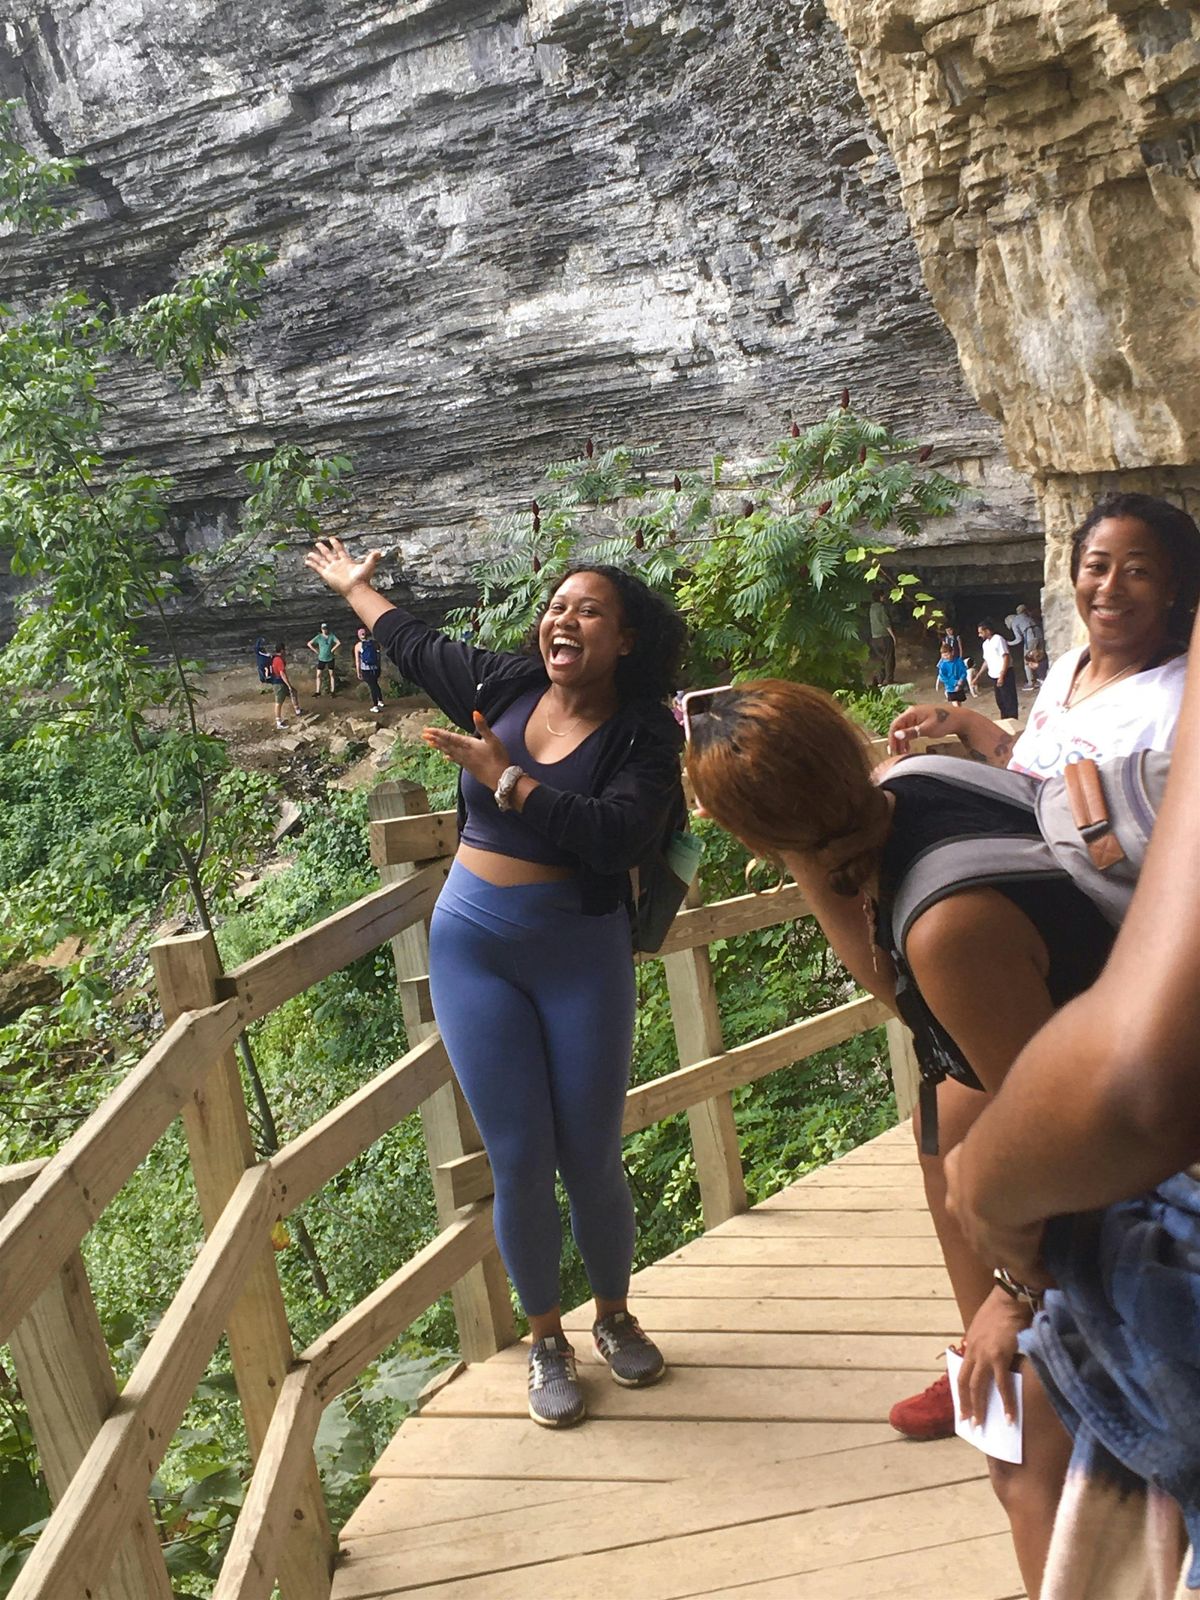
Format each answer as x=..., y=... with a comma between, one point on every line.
x=1134, y=713
x=1135, y=563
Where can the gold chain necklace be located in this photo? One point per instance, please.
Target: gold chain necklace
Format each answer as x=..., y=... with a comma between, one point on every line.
x=1073, y=700
x=559, y=733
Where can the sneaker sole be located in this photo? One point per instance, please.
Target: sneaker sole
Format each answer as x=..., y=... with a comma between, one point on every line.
x=631, y=1383
x=560, y=1422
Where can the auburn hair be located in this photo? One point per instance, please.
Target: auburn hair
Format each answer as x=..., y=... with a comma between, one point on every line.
x=781, y=766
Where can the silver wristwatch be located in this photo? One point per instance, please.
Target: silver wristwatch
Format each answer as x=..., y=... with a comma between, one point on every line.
x=509, y=780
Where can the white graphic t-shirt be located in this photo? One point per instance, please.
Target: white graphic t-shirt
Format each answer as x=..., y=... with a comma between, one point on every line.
x=1137, y=713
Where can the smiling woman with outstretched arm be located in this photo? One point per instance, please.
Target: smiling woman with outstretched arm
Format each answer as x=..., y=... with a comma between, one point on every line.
x=570, y=779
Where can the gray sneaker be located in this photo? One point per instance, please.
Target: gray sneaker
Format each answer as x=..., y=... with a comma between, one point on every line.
x=633, y=1359
x=555, y=1398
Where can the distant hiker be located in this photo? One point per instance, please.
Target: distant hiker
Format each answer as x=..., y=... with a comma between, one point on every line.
x=262, y=657
x=883, y=640
x=366, y=664
x=1027, y=634
x=325, y=645
x=282, y=685
x=997, y=662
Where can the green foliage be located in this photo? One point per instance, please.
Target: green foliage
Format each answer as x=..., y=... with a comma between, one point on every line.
x=24, y=1503
x=875, y=709
x=30, y=191
x=770, y=568
x=90, y=535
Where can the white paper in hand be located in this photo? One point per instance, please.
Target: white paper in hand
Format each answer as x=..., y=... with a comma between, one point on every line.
x=997, y=1436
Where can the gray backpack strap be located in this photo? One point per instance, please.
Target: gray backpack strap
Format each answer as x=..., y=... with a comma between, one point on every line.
x=978, y=862
x=1104, y=851
x=998, y=783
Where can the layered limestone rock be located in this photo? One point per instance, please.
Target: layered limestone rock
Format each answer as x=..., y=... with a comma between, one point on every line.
x=501, y=226
x=1049, y=160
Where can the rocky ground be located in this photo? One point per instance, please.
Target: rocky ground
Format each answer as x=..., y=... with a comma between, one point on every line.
x=242, y=711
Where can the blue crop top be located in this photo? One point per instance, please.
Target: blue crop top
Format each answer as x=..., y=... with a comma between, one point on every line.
x=506, y=833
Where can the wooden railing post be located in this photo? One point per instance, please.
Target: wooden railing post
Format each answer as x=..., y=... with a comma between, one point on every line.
x=906, y=1073
x=66, y=1379
x=186, y=969
x=482, y=1307
x=697, y=1023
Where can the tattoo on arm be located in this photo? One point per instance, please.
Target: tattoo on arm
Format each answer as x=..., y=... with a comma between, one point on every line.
x=1000, y=751
x=941, y=715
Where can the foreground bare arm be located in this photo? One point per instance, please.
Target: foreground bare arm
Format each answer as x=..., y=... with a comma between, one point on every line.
x=983, y=740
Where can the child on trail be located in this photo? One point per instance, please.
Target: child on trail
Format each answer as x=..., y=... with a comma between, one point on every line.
x=952, y=675
x=367, y=664
x=282, y=685
x=325, y=645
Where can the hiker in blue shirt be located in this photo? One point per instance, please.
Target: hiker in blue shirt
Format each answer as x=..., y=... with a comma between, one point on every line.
x=952, y=675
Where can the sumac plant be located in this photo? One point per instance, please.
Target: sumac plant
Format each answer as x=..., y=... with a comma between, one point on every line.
x=771, y=563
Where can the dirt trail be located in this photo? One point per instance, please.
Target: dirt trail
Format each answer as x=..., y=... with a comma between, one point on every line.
x=242, y=711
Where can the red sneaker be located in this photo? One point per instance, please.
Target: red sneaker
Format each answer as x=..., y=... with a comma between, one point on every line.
x=928, y=1415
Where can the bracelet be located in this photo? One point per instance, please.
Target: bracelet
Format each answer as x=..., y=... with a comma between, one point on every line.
x=509, y=779
x=1018, y=1291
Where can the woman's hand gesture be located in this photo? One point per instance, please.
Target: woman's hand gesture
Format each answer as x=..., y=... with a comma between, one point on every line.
x=337, y=568
x=483, y=756
x=921, y=722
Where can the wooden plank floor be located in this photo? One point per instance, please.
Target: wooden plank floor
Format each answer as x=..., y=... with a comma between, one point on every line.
x=761, y=1468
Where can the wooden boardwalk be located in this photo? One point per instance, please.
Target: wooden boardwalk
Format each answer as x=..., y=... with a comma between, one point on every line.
x=761, y=1468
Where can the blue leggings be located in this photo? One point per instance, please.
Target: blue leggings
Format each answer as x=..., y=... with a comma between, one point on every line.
x=535, y=1002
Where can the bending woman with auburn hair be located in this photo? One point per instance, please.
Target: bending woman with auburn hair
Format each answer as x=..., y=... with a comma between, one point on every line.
x=780, y=766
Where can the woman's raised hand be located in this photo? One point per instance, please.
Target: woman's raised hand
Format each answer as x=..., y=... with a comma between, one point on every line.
x=335, y=566
x=921, y=722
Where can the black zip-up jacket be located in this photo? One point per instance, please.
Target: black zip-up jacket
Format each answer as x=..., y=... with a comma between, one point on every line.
x=637, y=794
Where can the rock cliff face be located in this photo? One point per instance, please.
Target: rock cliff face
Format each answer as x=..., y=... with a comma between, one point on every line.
x=502, y=225
x=1049, y=160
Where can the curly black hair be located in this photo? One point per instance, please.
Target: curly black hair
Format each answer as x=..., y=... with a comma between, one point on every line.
x=651, y=669
x=1179, y=537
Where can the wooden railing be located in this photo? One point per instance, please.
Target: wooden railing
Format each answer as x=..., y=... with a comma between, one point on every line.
x=99, y=1447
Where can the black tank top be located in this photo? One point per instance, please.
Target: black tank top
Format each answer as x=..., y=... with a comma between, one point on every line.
x=506, y=833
